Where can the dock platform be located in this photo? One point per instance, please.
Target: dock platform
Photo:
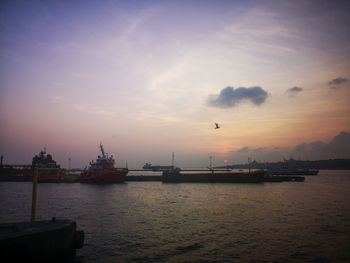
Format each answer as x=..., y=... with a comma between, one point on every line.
x=47, y=241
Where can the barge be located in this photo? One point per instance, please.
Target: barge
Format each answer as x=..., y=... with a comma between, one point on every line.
x=175, y=176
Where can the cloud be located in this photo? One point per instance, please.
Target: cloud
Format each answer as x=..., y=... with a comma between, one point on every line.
x=243, y=149
x=230, y=97
x=300, y=147
x=337, y=81
x=339, y=147
x=57, y=99
x=137, y=22
x=259, y=149
x=294, y=90
x=246, y=149
x=310, y=147
x=94, y=110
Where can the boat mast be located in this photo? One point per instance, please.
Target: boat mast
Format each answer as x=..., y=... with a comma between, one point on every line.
x=249, y=160
x=102, y=150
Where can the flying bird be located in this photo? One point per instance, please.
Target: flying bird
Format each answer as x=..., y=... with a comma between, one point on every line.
x=216, y=126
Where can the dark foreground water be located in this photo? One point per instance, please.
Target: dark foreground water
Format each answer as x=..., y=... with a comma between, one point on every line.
x=156, y=222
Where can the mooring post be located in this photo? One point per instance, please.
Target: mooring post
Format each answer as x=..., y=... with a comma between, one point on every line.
x=35, y=183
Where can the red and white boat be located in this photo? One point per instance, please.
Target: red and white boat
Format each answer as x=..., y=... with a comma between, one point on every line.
x=103, y=170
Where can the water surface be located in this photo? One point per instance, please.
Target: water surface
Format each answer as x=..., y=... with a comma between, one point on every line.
x=198, y=222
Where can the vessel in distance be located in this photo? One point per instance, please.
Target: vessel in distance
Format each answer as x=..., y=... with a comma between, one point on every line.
x=103, y=170
x=291, y=171
x=149, y=166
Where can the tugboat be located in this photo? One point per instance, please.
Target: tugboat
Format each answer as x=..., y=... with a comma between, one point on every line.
x=48, y=170
x=103, y=170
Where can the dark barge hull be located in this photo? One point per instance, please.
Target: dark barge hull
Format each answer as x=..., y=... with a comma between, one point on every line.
x=45, y=175
x=173, y=177
x=47, y=241
x=143, y=178
x=10, y=174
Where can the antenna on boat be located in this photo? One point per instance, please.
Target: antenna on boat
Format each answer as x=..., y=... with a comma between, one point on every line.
x=102, y=150
x=249, y=159
x=210, y=162
x=173, y=160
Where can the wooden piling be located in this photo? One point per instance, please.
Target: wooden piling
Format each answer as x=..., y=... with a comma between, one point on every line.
x=35, y=183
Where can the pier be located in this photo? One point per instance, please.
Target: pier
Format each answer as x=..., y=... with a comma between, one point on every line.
x=40, y=241
x=46, y=241
x=143, y=178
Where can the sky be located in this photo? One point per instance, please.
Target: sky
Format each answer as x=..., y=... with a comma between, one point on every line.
x=148, y=78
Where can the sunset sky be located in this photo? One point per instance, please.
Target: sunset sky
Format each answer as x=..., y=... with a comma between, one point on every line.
x=148, y=78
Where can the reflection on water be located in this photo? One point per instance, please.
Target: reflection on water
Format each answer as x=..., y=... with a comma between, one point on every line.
x=157, y=222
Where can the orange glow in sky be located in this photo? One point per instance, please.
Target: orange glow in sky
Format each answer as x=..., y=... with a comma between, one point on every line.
x=151, y=78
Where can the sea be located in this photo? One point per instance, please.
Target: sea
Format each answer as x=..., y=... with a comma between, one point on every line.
x=197, y=222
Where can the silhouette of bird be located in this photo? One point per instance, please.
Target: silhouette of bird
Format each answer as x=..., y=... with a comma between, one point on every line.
x=216, y=126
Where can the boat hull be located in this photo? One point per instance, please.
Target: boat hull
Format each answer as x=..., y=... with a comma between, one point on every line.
x=50, y=175
x=16, y=175
x=104, y=176
x=45, y=175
